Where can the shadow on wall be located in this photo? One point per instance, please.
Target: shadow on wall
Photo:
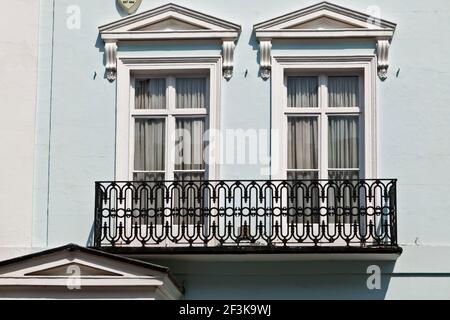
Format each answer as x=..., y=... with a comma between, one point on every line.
x=253, y=42
x=282, y=280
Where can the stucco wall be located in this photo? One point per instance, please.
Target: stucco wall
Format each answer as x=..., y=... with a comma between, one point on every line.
x=301, y=279
x=18, y=78
x=412, y=107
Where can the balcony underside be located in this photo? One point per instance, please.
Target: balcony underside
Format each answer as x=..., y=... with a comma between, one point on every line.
x=257, y=253
x=251, y=250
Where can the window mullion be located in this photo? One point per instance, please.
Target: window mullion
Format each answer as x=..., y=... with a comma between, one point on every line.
x=171, y=128
x=323, y=104
x=131, y=129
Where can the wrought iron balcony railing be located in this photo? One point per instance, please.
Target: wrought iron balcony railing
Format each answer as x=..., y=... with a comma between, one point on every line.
x=275, y=214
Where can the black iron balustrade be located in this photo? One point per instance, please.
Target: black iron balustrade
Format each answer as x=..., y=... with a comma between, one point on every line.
x=360, y=213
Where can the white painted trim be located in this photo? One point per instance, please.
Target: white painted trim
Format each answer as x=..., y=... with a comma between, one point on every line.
x=324, y=34
x=179, y=34
x=128, y=278
x=157, y=14
x=362, y=25
x=128, y=29
x=127, y=65
x=327, y=9
x=283, y=64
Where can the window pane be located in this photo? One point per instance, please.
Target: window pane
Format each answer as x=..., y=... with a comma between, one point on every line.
x=149, y=150
x=303, y=175
x=189, y=145
x=191, y=93
x=148, y=176
x=343, y=142
x=304, y=206
x=151, y=94
x=343, y=201
x=302, y=92
x=303, y=143
x=148, y=205
x=343, y=175
x=343, y=92
x=187, y=201
x=189, y=176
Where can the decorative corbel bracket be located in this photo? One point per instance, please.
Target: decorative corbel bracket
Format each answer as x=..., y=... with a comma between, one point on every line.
x=383, y=58
x=228, y=47
x=265, y=58
x=111, y=60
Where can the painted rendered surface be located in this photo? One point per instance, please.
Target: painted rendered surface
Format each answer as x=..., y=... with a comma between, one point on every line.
x=75, y=137
x=18, y=78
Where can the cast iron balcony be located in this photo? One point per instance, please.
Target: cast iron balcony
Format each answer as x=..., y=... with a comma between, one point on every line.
x=238, y=215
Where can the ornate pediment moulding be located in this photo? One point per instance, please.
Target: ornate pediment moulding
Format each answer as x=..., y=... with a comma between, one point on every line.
x=325, y=21
x=169, y=22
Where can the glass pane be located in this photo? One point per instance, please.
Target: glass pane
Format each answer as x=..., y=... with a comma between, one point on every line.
x=189, y=176
x=343, y=142
x=343, y=201
x=191, y=93
x=149, y=150
x=187, y=200
x=302, y=175
x=303, y=143
x=150, y=94
x=189, y=144
x=302, y=92
x=149, y=198
x=304, y=207
x=343, y=175
x=148, y=176
x=343, y=92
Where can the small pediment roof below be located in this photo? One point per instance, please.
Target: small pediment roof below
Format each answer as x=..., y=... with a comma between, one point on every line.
x=72, y=265
x=71, y=268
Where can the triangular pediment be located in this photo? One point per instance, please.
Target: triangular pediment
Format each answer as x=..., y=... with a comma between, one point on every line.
x=170, y=24
x=325, y=17
x=69, y=268
x=66, y=260
x=163, y=22
x=321, y=23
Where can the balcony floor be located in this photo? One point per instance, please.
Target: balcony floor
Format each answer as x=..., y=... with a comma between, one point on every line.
x=257, y=253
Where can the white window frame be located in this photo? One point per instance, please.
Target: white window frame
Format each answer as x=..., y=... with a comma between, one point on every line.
x=363, y=65
x=127, y=67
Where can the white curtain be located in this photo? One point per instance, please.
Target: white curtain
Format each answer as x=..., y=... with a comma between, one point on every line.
x=343, y=146
x=191, y=93
x=189, y=149
x=189, y=144
x=303, y=154
x=343, y=153
x=149, y=146
x=150, y=94
x=302, y=92
x=343, y=92
x=302, y=143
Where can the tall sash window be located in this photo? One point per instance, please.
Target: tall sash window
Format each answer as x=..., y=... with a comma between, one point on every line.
x=324, y=127
x=170, y=117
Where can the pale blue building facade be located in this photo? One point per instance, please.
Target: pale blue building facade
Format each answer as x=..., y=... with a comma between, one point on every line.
x=78, y=113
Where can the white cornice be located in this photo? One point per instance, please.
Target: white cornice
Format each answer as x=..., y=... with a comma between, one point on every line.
x=171, y=9
x=295, y=26
x=135, y=28
x=355, y=17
